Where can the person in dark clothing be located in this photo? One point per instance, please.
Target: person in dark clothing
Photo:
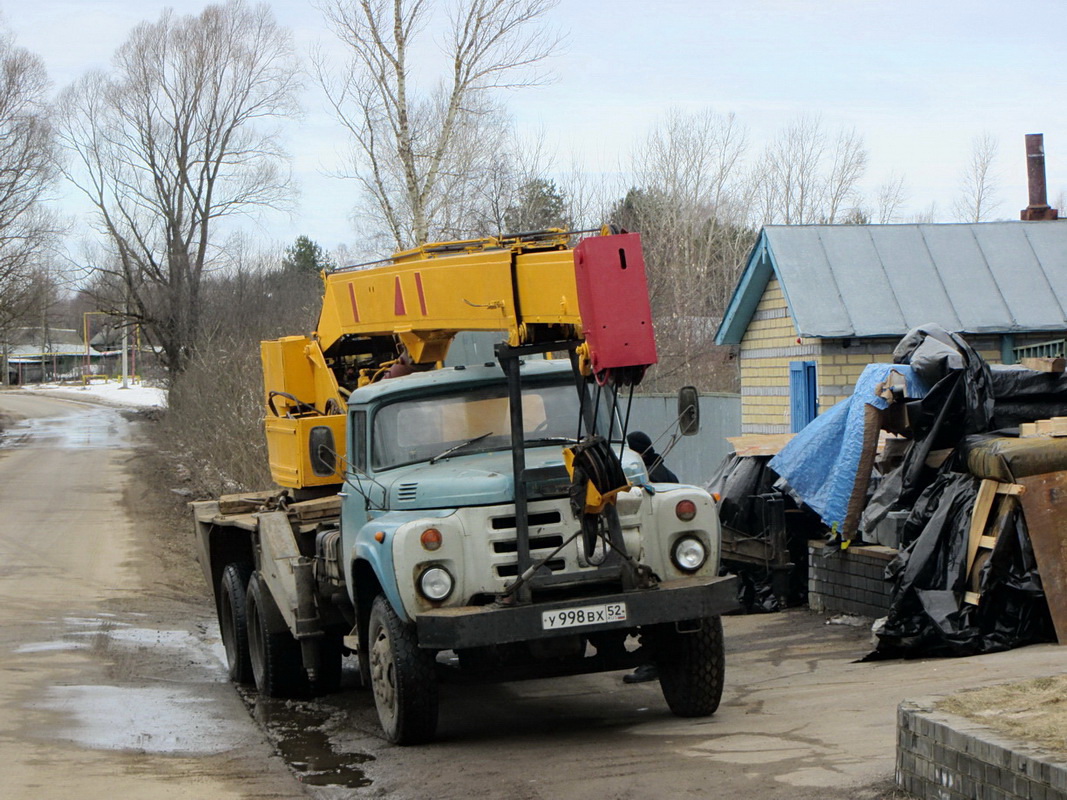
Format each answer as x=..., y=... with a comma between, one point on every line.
x=639, y=442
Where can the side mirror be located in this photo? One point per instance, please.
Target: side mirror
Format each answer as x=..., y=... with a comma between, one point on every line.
x=321, y=451
x=688, y=411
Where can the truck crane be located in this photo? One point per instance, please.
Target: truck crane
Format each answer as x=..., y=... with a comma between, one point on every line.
x=483, y=521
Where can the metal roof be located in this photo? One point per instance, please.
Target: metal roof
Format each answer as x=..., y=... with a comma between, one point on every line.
x=883, y=280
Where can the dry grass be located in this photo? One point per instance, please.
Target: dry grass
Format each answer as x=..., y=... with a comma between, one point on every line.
x=1034, y=711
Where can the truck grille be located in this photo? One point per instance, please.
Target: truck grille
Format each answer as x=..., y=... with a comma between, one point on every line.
x=512, y=569
x=546, y=534
x=536, y=543
x=543, y=518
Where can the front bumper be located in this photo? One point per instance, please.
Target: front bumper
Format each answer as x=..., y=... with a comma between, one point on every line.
x=672, y=601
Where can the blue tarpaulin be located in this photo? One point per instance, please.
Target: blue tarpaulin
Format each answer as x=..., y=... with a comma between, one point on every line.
x=820, y=462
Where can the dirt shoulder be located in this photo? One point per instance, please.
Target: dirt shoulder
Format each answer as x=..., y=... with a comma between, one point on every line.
x=1033, y=711
x=158, y=502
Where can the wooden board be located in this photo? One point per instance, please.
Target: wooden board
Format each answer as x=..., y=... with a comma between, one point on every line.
x=759, y=444
x=319, y=508
x=1057, y=426
x=1049, y=364
x=983, y=503
x=1045, y=507
x=244, y=503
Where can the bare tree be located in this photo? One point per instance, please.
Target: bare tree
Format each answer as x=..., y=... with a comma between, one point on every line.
x=691, y=209
x=803, y=178
x=977, y=199
x=26, y=175
x=928, y=215
x=175, y=138
x=891, y=196
x=848, y=162
x=415, y=153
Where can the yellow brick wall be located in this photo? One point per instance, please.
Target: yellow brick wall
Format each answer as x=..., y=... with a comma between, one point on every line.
x=763, y=372
x=771, y=342
x=842, y=369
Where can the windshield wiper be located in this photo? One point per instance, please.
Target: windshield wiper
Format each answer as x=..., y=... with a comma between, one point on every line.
x=550, y=440
x=459, y=446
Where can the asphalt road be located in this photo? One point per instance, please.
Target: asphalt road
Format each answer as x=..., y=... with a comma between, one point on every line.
x=112, y=684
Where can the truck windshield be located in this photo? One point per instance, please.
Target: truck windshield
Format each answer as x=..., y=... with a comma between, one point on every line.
x=418, y=430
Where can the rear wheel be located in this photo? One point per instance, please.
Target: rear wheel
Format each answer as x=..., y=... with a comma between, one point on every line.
x=277, y=665
x=403, y=678
x=692, y=667
x=233, y=622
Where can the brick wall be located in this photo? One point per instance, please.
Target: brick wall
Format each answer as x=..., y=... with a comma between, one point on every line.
x=769, y=344
x=840, y=366
x=849, y=581
x=945, y=757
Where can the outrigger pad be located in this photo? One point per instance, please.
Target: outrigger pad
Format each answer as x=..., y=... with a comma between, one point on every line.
x=613, y=301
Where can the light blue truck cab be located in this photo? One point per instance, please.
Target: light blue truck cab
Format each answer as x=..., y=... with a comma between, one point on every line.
x=428, y=523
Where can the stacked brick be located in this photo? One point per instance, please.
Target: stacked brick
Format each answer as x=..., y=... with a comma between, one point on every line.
x=944, y=757
x=849, y=581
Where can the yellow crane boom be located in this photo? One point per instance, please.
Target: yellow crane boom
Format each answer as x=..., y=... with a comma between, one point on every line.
x=530, y=288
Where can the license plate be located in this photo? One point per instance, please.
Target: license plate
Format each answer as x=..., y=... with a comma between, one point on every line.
x=586, y=615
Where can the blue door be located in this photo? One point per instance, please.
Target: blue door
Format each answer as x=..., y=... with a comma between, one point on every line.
x=803, y=400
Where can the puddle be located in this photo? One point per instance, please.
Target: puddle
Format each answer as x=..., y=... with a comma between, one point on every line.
x=178, y=713
x=152, y=719
x=49, y=647
x=95, y=428
x=181, y=714
x=298, y=731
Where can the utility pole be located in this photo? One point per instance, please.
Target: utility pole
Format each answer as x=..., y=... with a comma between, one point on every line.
x=126, y=344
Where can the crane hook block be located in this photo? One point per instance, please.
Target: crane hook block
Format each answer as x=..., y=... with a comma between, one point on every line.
x=613, y=301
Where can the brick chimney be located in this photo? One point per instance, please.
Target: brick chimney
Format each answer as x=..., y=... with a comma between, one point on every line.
x=1035, y=176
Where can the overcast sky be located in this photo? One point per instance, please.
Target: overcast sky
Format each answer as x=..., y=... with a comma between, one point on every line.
x=918, y=80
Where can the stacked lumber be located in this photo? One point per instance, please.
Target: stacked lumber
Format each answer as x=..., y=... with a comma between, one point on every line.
x=1047, y=364
x=1047, y=428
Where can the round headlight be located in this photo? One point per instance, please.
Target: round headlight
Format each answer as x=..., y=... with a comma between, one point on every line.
x=689, y=554
x=436, y=584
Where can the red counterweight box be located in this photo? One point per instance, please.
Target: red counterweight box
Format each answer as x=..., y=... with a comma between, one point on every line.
x=613, y=301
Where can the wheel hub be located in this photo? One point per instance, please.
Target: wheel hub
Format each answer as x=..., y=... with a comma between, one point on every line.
x=383, y=675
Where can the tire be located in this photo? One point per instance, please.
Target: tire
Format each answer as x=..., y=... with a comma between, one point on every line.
x=277, y=665
x=403, y=678
x=691, y=669
x=233, y=622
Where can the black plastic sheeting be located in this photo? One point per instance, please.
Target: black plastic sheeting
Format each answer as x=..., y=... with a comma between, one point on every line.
x=926, y=616
x=739, y=482
x=1023, y=395
x=744, y=485
x=960, y=402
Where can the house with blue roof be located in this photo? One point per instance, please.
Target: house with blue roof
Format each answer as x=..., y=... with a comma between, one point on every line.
x=816, y=303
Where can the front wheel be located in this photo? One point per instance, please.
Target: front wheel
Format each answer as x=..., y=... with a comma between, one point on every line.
x=403, y=678
x=692, y=666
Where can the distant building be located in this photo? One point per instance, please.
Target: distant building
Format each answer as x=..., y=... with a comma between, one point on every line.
x=38, y=354
x=816, y=303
